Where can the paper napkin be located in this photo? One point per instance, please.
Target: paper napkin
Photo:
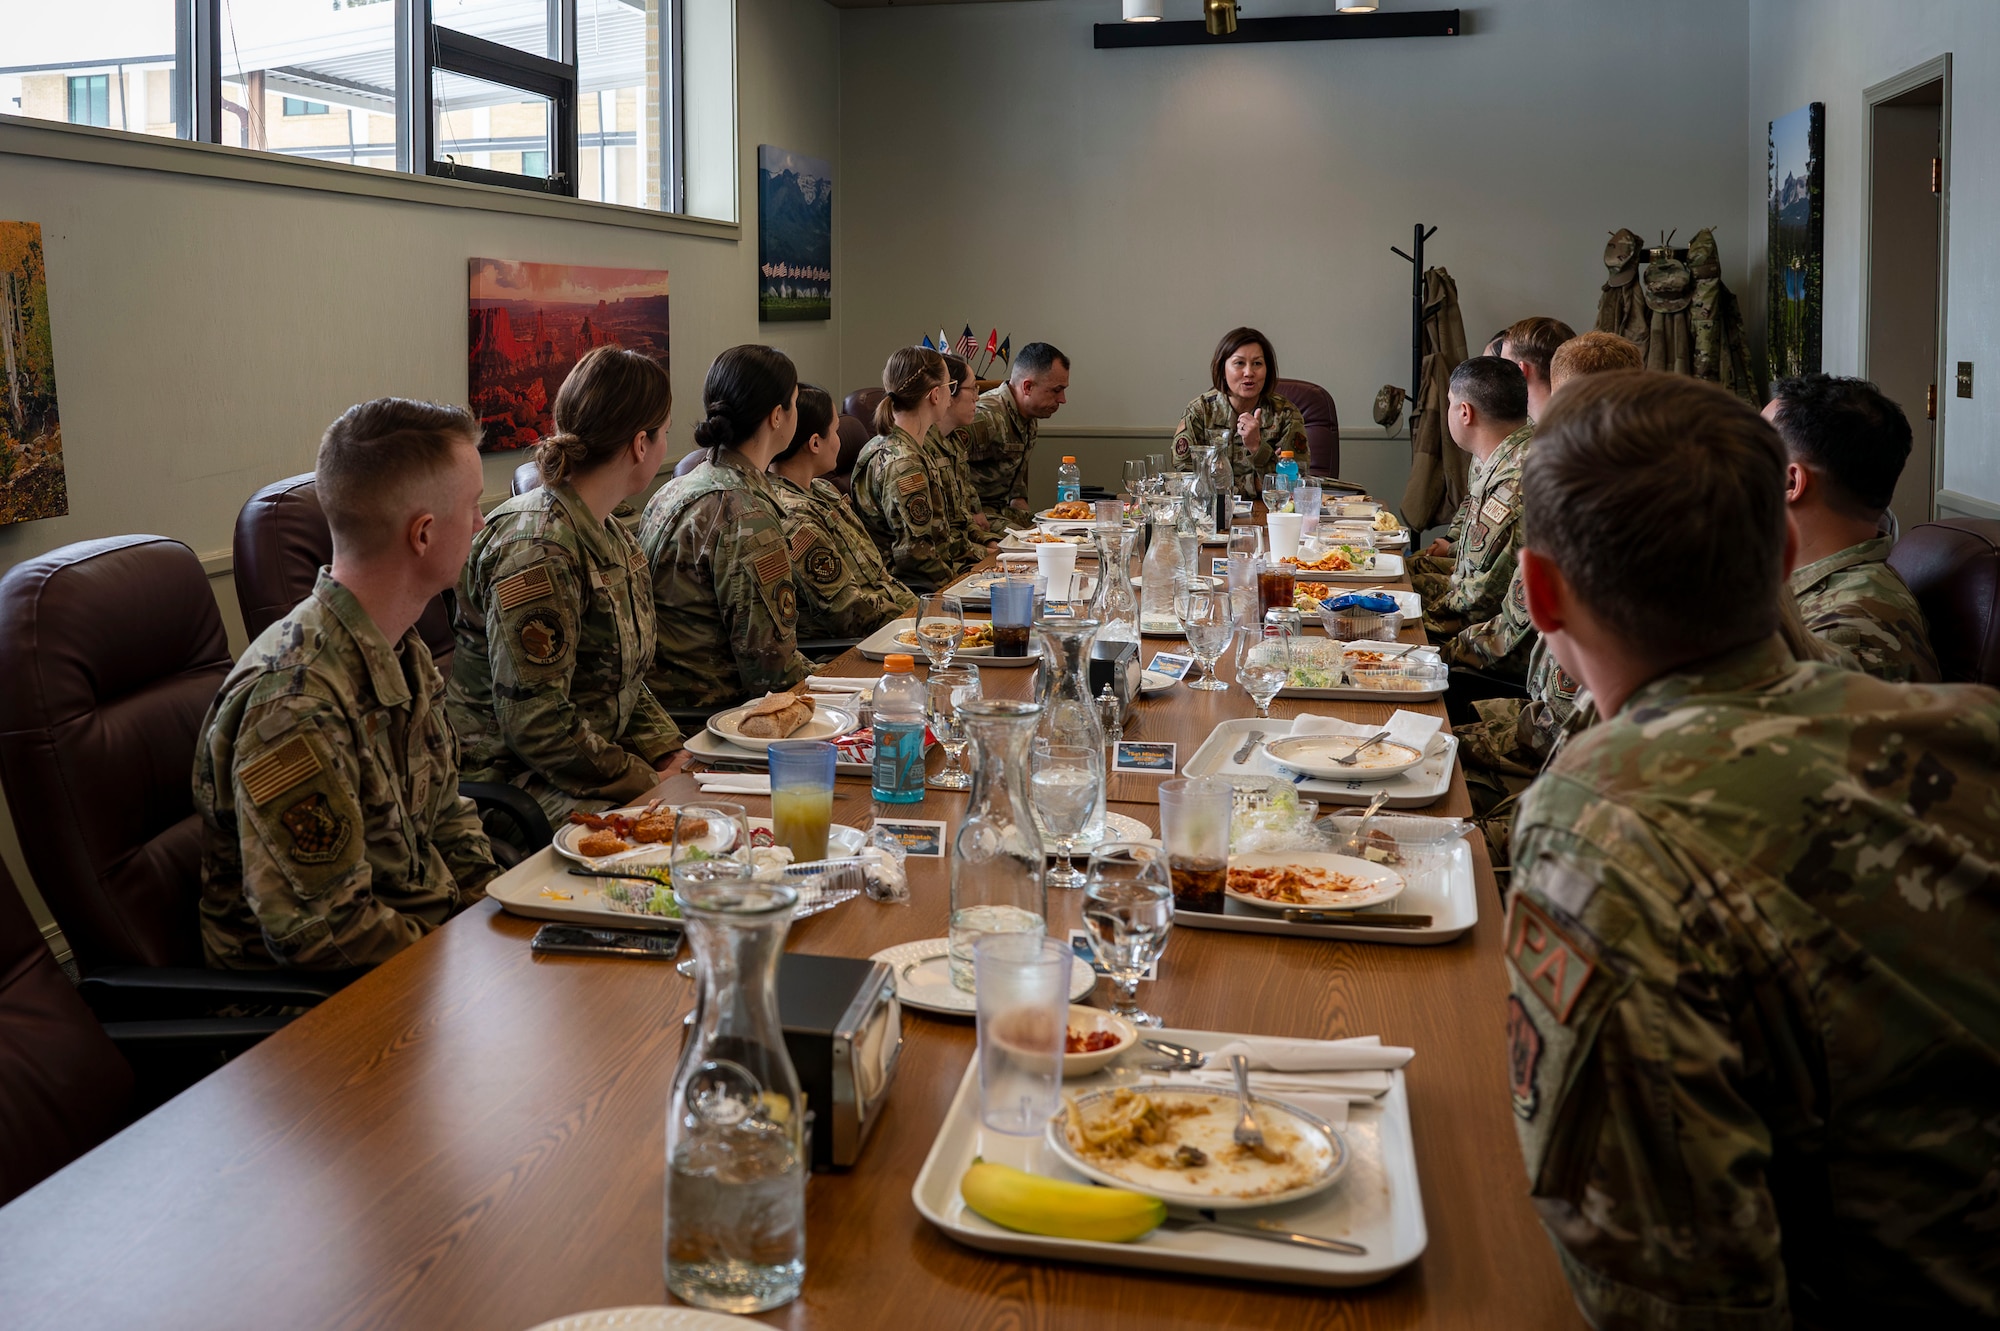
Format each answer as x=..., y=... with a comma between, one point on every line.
x=1415, y=729
x=735, y=783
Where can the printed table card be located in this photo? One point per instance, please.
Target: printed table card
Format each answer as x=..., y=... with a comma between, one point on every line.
x=1174, y=665
x=1137, y=756
x=916, y=836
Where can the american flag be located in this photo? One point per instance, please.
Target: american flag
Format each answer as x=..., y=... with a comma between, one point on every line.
x=965, y=345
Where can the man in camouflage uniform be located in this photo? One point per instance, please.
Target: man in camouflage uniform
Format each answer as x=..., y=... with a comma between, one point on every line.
x=1754, y=1028
x=554, y=637
x=333, y=833
x=1003, y=432
x=844, y=589
x=903, y=505
x=1487, y=412
x=1280, y=426
x=723, y=594
x=1845, y=445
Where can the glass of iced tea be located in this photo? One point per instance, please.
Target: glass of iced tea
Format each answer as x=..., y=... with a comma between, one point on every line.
x=802, y=796
x=1275, y=585
x=1194, y=824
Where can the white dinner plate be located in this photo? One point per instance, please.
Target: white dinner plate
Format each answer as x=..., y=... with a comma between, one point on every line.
x=1017, y=541
x=647, y=1319
x=827, y=722
x=1327, y=1156
x=1378, y=883
x=923, y=978
x=1152, y=681
x=720, y=836
x=1314, y=755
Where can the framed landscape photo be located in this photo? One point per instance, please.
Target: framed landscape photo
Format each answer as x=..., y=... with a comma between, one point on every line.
x=794, y=236
x=32, y=481
x=1796, y=249
x=530, y=323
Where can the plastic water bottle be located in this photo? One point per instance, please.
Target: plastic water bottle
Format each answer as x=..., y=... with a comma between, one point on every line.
x=1288, y=471
x=898, y=776
x=1069, y=481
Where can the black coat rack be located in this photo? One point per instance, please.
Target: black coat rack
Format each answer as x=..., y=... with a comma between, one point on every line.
x=1418, y=235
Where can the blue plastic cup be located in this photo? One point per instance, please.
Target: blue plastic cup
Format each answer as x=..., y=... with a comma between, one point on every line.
x=802, y=796
x=1013, y=602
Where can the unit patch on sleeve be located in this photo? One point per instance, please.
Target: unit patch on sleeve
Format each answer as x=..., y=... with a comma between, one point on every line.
x=544, y=641
x=823, y=566
x=1549, y=961
x=1524, y=1051
x=788, y=602
x=527, y=585
x=318, y=833
x=919, y=509
x=279, y=770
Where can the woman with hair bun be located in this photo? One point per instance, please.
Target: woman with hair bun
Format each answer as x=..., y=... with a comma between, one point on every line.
x=554, y=620
x=902, y=500
x=844, y=590
x=715, y=538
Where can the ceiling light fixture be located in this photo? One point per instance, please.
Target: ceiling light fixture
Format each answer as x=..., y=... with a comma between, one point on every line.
x=1143, y=11
x=1361, y=6
x=1220, y=16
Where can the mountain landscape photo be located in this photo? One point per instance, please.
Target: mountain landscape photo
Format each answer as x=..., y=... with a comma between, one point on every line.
x=1796, y=247
x=794, y=236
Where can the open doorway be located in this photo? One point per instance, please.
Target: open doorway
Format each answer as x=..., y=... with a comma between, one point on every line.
x=1905, y=136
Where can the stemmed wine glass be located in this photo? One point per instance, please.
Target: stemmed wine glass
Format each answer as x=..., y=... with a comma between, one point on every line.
x=710, y=849
x=1263, y=665
x=1128, y=908
x=1135, y=479
x=941, y=628
x=1209, y=620
x=1067, y=781
x=944, y=692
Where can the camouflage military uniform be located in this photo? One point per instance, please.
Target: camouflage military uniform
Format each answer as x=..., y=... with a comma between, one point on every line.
x=333, y=833
x=1501, y=645
x=554, y=637
x=1751, y=947
x=1855, y=601
x=1514, y=739
x=964, y=550
x=844, y=590
x=1488, y=531
x=952, y=450
x=1002, y=439
x=722, y=587
x=906, y=511
x=1279, y=424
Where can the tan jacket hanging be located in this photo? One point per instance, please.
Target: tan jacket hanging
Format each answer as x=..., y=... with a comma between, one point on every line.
x=1621, y=308
x=1669, y=290
x=1437, y=465
x=1721, y=352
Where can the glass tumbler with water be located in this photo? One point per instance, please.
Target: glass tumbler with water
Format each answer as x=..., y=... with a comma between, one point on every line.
x=1128, y=907
x=1194, y=824
x=736, y=1145
x=996, y=854
x=1023, y=1013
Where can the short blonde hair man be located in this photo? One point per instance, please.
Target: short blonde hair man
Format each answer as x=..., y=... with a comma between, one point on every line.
x=1593, y=353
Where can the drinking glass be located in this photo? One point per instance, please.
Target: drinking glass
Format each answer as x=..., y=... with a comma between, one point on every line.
x=1194, y=827
x=802, y=796
x=944, y=692
x=1067, y=782
x=1128, y=907
x=1273, y=493
x=941, y=628
x=1209, y=622
x=1021, y=995
x=1156, y=464
x=1135, y=478
x=1263, y=664
x=692, y=864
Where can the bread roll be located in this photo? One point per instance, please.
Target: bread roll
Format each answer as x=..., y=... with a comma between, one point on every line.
x=776, y=715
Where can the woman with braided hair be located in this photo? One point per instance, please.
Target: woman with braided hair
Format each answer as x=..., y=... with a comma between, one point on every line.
x=554, y=619
x=715, y=540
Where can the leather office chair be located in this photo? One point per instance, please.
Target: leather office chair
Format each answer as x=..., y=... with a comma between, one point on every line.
x=861, y=404
x=281, y=543
x=1953, y=567
x=64, y=1087
x=527, y=476
x=113, y=650
x=854, y=436
x=1322, y=427
x=690, y=462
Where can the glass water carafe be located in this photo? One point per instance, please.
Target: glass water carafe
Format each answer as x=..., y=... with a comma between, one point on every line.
x=1069, y=708
x=1201, y=494
x=737, y=1151
x=1163, y=573
x=1114, y=607
x=996, y=856
x=1221, y=465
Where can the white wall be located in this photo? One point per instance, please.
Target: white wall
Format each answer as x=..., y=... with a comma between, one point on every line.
x=207, y=331
x=1130, y=206
x=1830, y=51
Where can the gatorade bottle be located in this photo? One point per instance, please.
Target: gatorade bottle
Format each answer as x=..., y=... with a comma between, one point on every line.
x=1288, y=471
x=1069, y=481
x=899, y=732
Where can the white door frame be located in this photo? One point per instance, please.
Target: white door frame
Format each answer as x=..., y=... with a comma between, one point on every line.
x=1931, y=71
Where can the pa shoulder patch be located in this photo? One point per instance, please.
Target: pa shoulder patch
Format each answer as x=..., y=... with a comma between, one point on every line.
x=272, y=774
x=1554, y=966
x=529, y=584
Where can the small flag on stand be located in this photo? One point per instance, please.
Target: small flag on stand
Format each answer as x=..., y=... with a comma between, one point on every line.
x=943, y=342
x=1005, y=344
x=965, y=344
x=927, y=347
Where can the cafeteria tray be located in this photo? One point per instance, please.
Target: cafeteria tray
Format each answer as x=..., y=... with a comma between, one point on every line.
x=882, y=643
x=1445, y=892
x=1378, y=1204
x=1382, y=565
x=1421, y=785
x=1354, y=693
x=712, y=750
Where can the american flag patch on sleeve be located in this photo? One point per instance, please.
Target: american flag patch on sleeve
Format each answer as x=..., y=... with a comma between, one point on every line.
x=803, y=540
x=910, y=483
x=278, y=771
x=772, y=565
x=527, y=585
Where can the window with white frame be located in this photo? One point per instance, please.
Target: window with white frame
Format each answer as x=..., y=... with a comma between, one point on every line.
x=583, y=98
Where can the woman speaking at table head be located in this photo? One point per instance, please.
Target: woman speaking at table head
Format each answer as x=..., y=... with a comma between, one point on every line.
x=844, y=589
x=554, y=622
x=1243, y=401
x=902, y=502
x=715, y=538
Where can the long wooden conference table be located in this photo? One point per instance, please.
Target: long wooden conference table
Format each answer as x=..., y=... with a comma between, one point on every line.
x=473, y=1137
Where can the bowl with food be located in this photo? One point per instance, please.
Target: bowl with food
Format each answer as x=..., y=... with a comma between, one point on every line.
x=1094, y=1038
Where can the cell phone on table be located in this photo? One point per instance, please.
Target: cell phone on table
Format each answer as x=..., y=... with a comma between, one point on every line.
x=583, y=940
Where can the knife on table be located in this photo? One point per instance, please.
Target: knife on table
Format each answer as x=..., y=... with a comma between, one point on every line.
x=1366, y=919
